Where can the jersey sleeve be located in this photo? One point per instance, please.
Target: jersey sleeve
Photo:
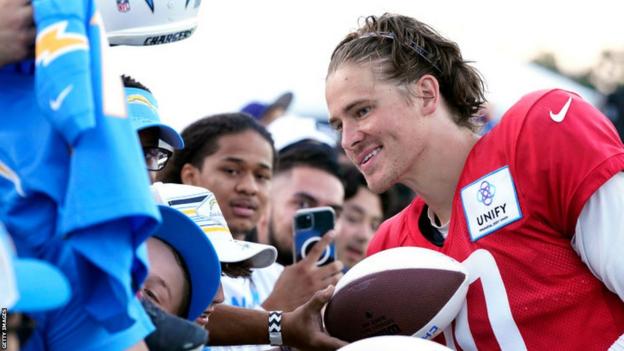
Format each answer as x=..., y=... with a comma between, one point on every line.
x=599, y=234
x=63, y=66
x=565, y=150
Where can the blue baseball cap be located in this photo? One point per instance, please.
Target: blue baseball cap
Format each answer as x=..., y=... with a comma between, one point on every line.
x=198, y=254
x=258, y=109
x=143, y=113
x=28, y=284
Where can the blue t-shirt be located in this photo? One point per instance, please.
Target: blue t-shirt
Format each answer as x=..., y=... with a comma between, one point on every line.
x=73, y=185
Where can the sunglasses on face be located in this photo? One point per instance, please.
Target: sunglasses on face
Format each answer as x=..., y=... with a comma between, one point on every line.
x=156, y=157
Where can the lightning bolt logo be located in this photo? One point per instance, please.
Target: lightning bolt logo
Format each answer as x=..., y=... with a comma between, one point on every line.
x=10, y=175
x=150, y=3
x=140, y=99
x=54, y=41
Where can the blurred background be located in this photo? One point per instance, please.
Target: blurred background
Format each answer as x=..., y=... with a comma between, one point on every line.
x=255, y=50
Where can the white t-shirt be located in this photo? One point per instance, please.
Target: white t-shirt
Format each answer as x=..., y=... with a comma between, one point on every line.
x=249, y=293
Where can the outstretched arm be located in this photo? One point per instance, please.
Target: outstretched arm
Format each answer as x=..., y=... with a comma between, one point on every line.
x=301, y=328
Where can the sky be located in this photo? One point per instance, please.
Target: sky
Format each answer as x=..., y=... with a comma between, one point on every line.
x=247, y=50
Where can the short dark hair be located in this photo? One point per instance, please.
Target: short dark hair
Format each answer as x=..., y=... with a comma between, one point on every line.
x=353, y=180
x=201, y=140
x=309, y=153
x=130, y=82
x=396, y=199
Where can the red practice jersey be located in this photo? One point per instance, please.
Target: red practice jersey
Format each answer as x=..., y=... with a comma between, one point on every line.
x=514, y=212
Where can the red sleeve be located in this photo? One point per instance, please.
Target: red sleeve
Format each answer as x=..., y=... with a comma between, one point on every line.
x=565, y=151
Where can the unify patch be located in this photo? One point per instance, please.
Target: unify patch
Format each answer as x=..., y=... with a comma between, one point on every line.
x=490, y=203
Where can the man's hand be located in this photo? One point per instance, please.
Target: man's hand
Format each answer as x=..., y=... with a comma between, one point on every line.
x=17, y=31
x=298, y=282
x=303, y=328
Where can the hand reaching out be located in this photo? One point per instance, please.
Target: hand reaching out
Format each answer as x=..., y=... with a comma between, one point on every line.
x=303, y=328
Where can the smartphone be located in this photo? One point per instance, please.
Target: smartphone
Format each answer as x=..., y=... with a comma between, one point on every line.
x=310, y=224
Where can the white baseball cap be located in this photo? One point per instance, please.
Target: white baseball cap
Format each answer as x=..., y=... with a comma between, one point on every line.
x=201, y=206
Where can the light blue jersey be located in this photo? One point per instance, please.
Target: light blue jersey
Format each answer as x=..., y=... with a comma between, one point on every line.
x=73, y=186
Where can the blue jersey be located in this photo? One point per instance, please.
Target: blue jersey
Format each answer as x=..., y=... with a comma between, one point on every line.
x=73, y=185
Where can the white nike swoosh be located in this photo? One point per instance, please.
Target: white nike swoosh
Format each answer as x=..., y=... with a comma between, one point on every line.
x=558, y=117
x=56, y=103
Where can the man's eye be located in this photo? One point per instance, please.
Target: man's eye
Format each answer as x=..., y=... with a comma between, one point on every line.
x=151, y=295
x=263, y=177
x=352, y=219
x=230, y=171
x=304, y=204
x=361, y=112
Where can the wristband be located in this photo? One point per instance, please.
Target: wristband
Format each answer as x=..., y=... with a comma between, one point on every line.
x=275, y=328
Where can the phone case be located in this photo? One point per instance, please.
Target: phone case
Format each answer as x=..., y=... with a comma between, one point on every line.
x=310, y=225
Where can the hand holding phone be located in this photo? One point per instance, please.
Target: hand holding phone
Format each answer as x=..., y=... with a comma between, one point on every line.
x=310, y=225
x=316, y=266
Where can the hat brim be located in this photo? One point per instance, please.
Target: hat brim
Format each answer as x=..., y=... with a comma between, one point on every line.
x=168, y=134
x=231, y=251
x=41, y=286
x=199, y=256
x=283, y=101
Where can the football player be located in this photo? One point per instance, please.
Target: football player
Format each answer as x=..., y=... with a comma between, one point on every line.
x=534, y=208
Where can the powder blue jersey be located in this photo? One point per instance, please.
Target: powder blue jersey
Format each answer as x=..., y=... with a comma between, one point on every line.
x=73, y=185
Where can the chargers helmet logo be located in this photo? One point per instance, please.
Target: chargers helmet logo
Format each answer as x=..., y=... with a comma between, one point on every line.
x=150, y=3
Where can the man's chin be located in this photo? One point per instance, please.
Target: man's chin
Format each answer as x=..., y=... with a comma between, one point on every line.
x=378, y=185
x=239, y=229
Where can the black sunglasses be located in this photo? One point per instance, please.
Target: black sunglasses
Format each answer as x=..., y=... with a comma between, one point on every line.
x=156, y=157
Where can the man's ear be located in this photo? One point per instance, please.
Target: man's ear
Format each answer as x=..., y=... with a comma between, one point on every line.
x=428, y=90
x=189, y=174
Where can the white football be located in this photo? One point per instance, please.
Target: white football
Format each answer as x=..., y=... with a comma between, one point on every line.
x=394, y=342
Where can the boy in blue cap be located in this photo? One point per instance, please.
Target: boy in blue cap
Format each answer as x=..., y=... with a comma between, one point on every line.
x=183, y=279
x=158, y=140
